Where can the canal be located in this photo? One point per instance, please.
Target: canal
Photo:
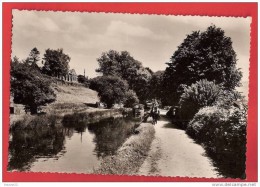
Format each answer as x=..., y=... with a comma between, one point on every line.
x=69, y=147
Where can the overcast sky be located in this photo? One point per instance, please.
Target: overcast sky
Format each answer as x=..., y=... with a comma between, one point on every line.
x=151, y=39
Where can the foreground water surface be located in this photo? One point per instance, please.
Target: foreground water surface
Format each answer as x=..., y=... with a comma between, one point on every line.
x=69, y=147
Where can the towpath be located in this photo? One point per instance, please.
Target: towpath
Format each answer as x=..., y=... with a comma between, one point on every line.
x=174, y=153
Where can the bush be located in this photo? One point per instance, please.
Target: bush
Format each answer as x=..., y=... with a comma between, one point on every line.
x=223, y=133
x=206, y=120
x=228, y=98
x=200, y=94
x=131, y=99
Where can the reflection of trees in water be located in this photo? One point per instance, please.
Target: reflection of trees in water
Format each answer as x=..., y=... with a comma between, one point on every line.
x=27, y=144
x=111, y=134
x=68, y=132
x=75, y=122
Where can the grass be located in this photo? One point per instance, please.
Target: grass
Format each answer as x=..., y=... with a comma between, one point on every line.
x=129, y=158
x=74, y=94
x=70, y=99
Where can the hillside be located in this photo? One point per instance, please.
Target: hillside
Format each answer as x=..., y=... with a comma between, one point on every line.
x=74, y=94
x=72, y=98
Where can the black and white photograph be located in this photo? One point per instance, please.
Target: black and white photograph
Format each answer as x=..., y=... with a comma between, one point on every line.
x=129, y=94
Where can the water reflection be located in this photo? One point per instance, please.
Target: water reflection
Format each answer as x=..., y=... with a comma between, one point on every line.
x=70, y=147
x=26, y=144
x=111, y=134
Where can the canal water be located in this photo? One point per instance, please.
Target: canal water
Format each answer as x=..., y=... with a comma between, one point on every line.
x=74, y=148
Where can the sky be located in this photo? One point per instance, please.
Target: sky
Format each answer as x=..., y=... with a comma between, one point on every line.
x=151, y=39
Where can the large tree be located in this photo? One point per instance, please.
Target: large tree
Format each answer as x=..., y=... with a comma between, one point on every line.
x=202, y=55
x=29, y=87
x=56, y=62
x=122, y=64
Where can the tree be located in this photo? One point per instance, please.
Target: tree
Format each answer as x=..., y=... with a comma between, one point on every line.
x=109, y=63
x=122, y=64
x=155, y=85
x=29, y=87
x=34, y=56
x=202, y=55
x=32, y=59
x=56, y=63
x=111, y=89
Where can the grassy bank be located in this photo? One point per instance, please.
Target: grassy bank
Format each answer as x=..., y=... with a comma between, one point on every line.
x=70, y=99
x=74, y=94
x=68, y=120
x=129, y=158
x=92, y=117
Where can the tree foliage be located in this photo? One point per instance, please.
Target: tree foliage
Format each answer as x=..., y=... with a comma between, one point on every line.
x=56, y=62
x=111, y=89
x=155, y=85
x=123, y=65
x=29, y=87
x=202, y=55
x=34, y=57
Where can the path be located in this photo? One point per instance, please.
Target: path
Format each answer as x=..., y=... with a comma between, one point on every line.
x=174, y=153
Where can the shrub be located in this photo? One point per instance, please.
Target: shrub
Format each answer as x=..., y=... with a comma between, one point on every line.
x=206, y=120
x=223, y=133
x=228, y=98
x=131, y=98
x=200, y=94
